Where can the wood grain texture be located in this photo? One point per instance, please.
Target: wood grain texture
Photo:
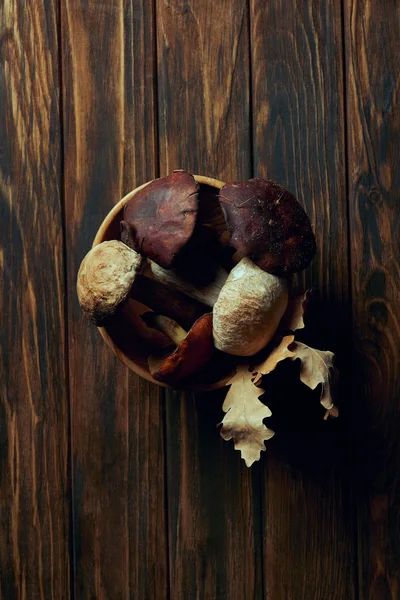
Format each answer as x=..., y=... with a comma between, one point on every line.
x=373, y=66
x=34, y=501
x=203, y=85
x=96, y=98
x=117, y=422
x=204, y=126
x=214, y=505
x=298, y=116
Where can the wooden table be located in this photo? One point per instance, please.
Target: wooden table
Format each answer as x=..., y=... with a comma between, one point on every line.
x=112, y=488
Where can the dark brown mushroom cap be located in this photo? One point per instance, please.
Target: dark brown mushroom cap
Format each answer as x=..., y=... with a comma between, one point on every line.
x=268, y=225
x=191, y=355
x=159, y=220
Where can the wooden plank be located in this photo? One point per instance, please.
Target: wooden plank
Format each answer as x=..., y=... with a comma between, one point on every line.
x=213, y=499
x=297, y=90
x=373, y=115
x=214, y=505
x=117, y=422
x=203, y=77
x=34, y=502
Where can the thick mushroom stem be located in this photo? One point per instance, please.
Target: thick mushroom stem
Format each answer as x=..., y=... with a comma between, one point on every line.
x=207, y=294
x=249, y=309
x=166, y=300
x=166, y=325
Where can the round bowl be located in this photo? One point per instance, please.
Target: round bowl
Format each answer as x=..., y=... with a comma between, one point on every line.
x=128, y=337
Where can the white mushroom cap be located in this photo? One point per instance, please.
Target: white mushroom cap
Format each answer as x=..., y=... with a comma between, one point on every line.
x=105, y=279
x=248, y=310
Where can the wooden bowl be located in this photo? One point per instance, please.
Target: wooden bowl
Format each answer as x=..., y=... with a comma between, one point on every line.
x=128, y=337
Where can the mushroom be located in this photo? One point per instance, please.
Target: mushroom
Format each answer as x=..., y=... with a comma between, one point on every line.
x=207, y=294
x=109, y=274
x=193, y=349
x=160, y=219
x=268, y=225
x=248, y=305
x=248, y=310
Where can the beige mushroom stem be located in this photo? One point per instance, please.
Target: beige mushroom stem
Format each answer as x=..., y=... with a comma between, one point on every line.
x=171, y=328
x=207, y=294
x=163, y=299
x=248, y=310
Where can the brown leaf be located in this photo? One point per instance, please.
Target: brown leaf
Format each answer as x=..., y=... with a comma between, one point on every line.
x=317, y=368
x=278, y=354
x=293, y=319
x=243, y=421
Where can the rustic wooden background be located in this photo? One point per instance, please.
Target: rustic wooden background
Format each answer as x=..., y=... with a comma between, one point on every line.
x=111, y=488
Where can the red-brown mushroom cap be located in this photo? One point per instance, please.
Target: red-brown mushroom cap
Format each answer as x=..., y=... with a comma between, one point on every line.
x=268, y=225
x=194, y=352
x=159, y=220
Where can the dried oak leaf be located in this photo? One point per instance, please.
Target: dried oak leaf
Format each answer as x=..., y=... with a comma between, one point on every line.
x=293, y=319
x=243, y=421
x=278, y=354
x=316, y=368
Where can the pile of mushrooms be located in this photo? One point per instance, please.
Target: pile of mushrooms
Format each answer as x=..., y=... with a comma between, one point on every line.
x=169, y=259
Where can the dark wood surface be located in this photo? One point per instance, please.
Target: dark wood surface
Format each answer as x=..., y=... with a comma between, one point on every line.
x=111, y=487
x=34, y=492
x=203, y=106
x=373, y=116
x=117, y=441
x=299, y=141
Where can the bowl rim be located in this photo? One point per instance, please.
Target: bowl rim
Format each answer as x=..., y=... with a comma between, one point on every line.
x=99, y=238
